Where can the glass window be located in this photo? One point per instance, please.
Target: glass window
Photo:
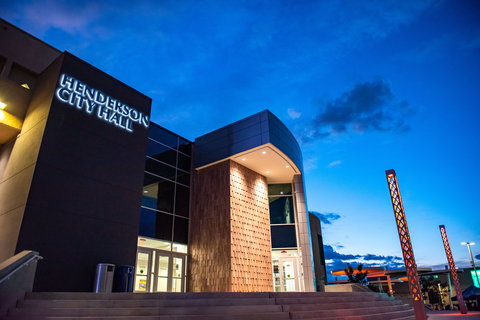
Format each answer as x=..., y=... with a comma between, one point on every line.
x=281, y=210
x=162, y=153
x=185, y=146
x=180, y=234
x=160, y=169
x=159, y=194
x=184, y=162
x=154, y=243
x=163, y=226
x=182, y=201
x=179, y=248
x=161, y=135
x=279, y=189
x=147, y=223
x=183, y=178
x=283, y=236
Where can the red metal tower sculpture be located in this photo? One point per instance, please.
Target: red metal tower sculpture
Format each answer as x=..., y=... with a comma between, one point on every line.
x=404, y=235
x=453, y=270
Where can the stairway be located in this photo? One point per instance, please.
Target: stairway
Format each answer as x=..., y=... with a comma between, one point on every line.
x=215, y=306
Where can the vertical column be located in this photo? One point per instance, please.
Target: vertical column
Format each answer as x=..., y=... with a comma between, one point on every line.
x=304, y=234
x=404, y=235
x=453, y=270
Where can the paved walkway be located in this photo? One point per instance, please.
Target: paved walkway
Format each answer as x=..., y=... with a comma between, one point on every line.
x=451, y=315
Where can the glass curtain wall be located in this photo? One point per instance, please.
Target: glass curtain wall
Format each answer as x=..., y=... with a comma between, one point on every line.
x=282, y=216
x=164, y=213
x=284, y=238
x=166, y=191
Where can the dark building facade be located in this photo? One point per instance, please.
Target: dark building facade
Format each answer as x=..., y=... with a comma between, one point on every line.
x=86, y=178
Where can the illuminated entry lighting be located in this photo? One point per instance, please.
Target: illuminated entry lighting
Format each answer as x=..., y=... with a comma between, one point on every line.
x=2, y=105
x=268, y=171
x=287, y=166
x=264, y=152
x=243, y=159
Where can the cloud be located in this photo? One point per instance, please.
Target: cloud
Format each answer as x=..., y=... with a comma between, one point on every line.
x=54, y=14
x=367, y=106
x=335, y=260
x=335, y=163
x=294, y=114
x=326, y=218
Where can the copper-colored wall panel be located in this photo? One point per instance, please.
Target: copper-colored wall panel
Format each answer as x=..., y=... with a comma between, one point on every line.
x=229, y=246
x=250, y=231
x=209, y=242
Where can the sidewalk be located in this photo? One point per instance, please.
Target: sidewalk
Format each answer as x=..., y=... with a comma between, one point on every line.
x=451, y=315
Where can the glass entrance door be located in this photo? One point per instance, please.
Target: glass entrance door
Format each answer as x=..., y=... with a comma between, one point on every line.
x=143, y=270
x=285, y=274
x=159, y=271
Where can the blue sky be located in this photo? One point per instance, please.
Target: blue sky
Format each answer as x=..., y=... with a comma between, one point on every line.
x=365, y=86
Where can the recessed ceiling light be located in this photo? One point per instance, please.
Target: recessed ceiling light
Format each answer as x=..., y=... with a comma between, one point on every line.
x=2, y=105
x=145, y=191
x=268, y=171
x=264, y=152
x=287, y=166
x=243, y=159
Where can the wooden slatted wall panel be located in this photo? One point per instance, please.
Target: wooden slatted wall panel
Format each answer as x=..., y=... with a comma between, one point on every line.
x=250, y=231
x=209, y=243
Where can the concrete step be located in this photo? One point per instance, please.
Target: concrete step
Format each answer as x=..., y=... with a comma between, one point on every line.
x=143, y=303
x=342, y=305
x=338, y=313
x=397, y=315
x=258, y=316
x=321, y=294
x=96, y=312
x=325, y=300
x=143, y=296
x=215, y=306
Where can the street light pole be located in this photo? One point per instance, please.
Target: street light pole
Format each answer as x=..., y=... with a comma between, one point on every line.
x=473, y=262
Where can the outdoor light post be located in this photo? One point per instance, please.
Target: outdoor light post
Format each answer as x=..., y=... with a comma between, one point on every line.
x=453, y=272
x=473, y=262
x=406, y=244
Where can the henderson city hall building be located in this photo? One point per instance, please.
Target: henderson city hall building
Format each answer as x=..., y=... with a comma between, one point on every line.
x=86, y=178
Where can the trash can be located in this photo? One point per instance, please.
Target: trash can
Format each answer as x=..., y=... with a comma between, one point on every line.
x=123, y=279
x=104, y=277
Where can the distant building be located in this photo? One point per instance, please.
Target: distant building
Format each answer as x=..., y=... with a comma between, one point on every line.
x=318, y=254
x=86, y=178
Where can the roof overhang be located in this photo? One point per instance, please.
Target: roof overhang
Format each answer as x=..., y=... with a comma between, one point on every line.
x=266, y=160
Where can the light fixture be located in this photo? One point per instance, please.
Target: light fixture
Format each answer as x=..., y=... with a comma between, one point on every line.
x=287, y=166
x=264, y=152
x=268, y=171
x=243, y=159
x=145, y=191
x=2, y=105
x=25, y=85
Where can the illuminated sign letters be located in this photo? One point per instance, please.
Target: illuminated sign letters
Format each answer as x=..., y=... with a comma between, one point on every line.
x=78, y=94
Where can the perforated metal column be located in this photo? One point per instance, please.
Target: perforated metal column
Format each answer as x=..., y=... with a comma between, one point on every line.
x=407, y=250
x=453, y=270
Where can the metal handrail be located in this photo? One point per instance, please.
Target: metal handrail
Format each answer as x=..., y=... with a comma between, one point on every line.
x=35, y=257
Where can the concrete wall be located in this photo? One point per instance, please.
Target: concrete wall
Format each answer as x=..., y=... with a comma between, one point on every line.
x=19, y=160
x=303, y=235
x=229, y=245
x=76, y=181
